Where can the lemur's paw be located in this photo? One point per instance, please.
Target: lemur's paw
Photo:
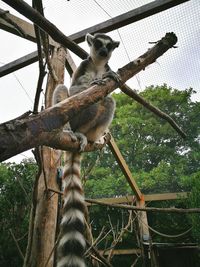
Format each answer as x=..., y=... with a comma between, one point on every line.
x=76, y=136
x=71, y=134
x=82, y=139
x=113, y=75
x=98, y=82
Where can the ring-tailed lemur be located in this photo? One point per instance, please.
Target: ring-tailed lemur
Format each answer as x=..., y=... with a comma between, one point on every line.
x=89, y=125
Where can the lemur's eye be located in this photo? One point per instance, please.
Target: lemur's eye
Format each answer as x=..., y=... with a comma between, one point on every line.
x=98, y=44
x=109, y=46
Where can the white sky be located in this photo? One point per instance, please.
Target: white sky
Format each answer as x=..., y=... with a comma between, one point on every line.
x=179, y=68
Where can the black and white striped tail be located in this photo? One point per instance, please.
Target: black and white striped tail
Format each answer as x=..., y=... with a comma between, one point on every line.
x=72, y=243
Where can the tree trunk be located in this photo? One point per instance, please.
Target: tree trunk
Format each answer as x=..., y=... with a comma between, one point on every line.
x=43, y=221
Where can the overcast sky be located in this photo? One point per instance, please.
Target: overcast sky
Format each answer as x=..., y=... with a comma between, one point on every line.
x=179, y=68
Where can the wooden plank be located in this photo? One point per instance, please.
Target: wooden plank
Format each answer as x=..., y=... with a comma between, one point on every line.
x=124, y=167
x=122, y=251
x=30, y=59
x=152, y=197
x=26, y=27
x=116, y=200
x=19, y=63
x=165, y=196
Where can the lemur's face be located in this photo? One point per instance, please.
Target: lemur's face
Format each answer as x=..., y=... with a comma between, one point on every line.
x=101, y=46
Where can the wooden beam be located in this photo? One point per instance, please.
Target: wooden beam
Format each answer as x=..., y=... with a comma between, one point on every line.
x=25, y=26
x=115, y=200
x=45, y=25
x=109, y=25
x=165, y=196
x=124, y=167
x=127, y=18
x=70, y=64
x=19, y=63
x=152, y=197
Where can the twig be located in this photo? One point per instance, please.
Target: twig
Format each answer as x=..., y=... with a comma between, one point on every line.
x=88, y=171
x=17, y=245
x=111, y=225
x=96, y=240
x=127, y=90
x=104, y=260
x=117, y=239
x=22, y=187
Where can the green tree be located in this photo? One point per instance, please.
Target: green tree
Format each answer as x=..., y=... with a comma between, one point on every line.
x=160, y=160
x=16, y=183
x=157, y=156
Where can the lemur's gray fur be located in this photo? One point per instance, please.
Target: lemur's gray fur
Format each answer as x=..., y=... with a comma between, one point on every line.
x=89, y=125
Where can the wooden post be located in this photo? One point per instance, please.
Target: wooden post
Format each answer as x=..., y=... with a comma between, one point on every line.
x=43, y=221
x=143, y=222
x=145, y=236
x=143, y=227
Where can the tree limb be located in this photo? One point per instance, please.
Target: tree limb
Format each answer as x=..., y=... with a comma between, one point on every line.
x=127, y=90
x=19, y=135
x=147, y=209
x=58, y=36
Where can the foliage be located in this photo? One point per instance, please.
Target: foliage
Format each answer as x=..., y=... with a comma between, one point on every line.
x=193, y=201
x=157, y=156
x=159, y=159
x=16, y=182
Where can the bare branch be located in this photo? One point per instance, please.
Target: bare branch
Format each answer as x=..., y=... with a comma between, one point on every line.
x=19, y=135
x=127, y=90
x=119, y=236
x=96, y=252
x=16, y=243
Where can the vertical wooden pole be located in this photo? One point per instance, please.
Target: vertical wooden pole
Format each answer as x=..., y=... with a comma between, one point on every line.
x=143, y=227
x=143, y=222
x=42, y=229
x=145, y=236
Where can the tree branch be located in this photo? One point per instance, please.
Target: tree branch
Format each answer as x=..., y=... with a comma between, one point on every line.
x=58, y=36
x=19, y=135
x=127, y=90
x=147, y=209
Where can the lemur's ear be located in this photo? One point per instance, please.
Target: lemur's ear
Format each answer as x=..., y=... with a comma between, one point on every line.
x=89, y=38
x=115, y=44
